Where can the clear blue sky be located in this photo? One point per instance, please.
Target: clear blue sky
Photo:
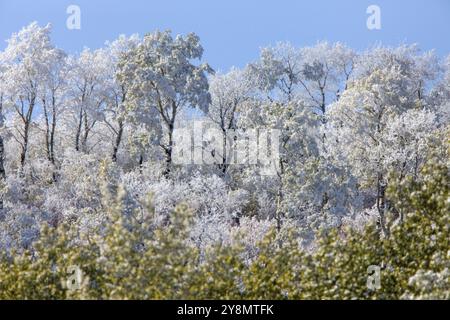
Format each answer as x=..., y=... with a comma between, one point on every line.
x=232, y=31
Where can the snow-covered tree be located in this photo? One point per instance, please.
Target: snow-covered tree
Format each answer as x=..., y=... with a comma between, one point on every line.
x=115, y=91
x=228, y=93
x=163, y=77
x=363, y=123
x=27, y=58
x=88, y=74
x=316, y=74
x=52, y=99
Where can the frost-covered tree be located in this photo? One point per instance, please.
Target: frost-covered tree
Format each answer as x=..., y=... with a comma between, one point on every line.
x=2, y=118
x=304, y=82
x=228, y=93
x=306, y=185
x=440, y=92
x=116, y=114
x=88, y=74
x=163, y=77
x=28, y=59
x=2, y=128
x=365, y=122
x=52, y=99
x=316, y=74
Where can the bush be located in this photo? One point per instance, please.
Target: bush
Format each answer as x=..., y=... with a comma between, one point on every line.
x=132, y=259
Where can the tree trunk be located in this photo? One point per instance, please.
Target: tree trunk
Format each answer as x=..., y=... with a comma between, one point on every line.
x=170, y=122
x=23, y=154
x=2, y=152
x=168, y=152
x=381, y=204
x=78, y=133
x=26, y=118
x=47, y=129
x=50, y=128
x=2, y=159
x=141, y=162
x=223, y=167
x=52, y=132
x=86, y=132
x=280, y=196
x=118, y=141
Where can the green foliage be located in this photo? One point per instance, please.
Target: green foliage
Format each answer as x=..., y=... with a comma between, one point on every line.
x=132, y=259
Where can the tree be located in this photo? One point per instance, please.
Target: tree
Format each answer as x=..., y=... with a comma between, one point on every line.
x=115, y=90
x=27, y=58
x=388, y=83
x=52, y=98
x=87, y=76
x=228, y=93
x=307, y=78
x=2, y=120
x=163, y=77
x=299, y=145
x=316, y=74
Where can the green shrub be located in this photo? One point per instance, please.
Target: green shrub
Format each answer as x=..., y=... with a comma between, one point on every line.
x=131, y=260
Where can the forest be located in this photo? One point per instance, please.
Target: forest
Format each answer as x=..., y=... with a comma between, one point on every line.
x=136, y=171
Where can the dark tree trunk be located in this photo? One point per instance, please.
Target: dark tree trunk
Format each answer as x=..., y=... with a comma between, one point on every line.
x=78, y=133
x=52, y=132
x=23, y=154
x=381, y=204
x=118, y=141
x=2, y=151
x=2, y=159
x=168, y=152
x=26, y=118
x=50, y=128
x=86, y=132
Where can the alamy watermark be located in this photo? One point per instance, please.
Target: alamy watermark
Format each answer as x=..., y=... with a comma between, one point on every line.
x=75, y=279
x=374, y=277
x=73, y=21
x=374, y=20
x=203, y=145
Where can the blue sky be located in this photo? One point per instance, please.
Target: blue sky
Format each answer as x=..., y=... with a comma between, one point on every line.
x=233, y=31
